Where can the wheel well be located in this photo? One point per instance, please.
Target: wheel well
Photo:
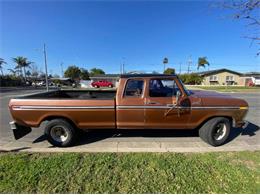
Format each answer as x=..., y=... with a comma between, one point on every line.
x=49, y=118
x=228, y=117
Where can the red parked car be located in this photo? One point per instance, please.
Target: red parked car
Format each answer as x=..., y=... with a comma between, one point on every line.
x=98, y=84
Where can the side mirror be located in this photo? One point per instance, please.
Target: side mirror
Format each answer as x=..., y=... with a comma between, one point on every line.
x=178, y=95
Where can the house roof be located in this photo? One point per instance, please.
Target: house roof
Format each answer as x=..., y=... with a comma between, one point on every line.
x=251, y=74
x=212, y=72
x=106, y=76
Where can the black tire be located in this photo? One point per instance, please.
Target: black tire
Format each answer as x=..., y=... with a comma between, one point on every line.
x=215, y=131
x=110, y=86
x=66, y=133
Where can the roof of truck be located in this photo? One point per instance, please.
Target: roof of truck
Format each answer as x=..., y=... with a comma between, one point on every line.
x=146, y=75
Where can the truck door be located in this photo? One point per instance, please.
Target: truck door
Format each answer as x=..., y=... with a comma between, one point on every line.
x=130, y=106
x=160, y=105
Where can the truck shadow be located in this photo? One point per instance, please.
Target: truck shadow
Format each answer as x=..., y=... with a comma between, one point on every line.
x=98, y=135
x=250, y=130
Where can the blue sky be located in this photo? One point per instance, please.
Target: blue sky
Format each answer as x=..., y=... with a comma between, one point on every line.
x=103, y=34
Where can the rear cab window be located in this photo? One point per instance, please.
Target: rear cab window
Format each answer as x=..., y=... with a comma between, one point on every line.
x=134, y=88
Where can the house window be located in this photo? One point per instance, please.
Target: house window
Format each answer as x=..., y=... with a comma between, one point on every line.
x=213, y=78
x=229, y=78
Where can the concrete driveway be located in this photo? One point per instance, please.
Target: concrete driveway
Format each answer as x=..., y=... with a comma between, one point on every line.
x=132, y=140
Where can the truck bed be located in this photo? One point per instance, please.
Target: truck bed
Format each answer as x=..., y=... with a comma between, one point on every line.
x=73, y=94
x=85, y=108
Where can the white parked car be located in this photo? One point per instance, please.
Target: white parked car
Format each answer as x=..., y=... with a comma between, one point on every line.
x=256, y=80
x=85, y=84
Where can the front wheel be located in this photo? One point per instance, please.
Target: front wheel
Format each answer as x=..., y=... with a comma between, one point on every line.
x=60, y=133
x=215, y=131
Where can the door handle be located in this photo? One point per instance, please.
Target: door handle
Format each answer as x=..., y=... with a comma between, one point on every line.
x=171, y=105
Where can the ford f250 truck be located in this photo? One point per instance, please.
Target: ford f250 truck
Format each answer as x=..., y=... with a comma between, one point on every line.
x=142, y=101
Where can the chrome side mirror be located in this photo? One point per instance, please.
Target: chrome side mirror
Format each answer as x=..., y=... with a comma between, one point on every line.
x=178, y=95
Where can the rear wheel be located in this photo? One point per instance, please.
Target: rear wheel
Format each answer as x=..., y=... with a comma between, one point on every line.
x=110, y=86
x=60, y=133
x=215, y=131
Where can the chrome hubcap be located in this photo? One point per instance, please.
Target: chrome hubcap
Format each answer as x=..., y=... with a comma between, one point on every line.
x=220, y=131
x=59, y=133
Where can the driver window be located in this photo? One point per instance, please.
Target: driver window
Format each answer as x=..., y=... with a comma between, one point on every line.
x=163, y=88
x=134, y=88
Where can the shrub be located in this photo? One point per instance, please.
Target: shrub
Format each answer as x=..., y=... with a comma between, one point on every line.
x=191, y=79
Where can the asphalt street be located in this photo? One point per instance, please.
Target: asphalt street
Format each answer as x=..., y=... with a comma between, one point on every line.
x=131, y=140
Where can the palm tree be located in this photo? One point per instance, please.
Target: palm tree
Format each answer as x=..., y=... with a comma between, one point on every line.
x=19, y=60
x=25, y=65
x=13, y=71
x=22, y=63
x=1, y=65
x=202, y=61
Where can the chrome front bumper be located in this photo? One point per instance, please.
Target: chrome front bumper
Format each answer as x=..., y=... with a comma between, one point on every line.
x=245, y=124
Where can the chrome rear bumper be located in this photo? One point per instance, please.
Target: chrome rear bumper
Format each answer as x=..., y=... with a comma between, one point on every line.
x=19, y=131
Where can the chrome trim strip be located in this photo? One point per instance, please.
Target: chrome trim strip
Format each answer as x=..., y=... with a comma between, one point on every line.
x=179, y=107
x=120, y=107
x=142, y=107
x=60, y=107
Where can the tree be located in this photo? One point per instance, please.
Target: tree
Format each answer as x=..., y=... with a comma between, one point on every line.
x=202, y=61
x=84, y=75
x=165, y=61
x=169, y=71
x=19, y=60
x=248, y=11
x=22, y=63
x=191, y=79
x=96, y=71
x=28, y=73
x=2, y=62
x=35, y=71
x=72, y=72
x=13, y=71
x=56, y=76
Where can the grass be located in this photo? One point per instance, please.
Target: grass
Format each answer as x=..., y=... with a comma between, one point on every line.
x=227, y=172
x=227, y=88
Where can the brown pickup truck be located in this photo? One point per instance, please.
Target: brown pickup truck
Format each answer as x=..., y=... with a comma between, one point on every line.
x=142, y=101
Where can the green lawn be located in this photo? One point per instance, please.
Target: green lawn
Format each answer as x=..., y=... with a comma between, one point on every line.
x=232, y=172
x=227, y=88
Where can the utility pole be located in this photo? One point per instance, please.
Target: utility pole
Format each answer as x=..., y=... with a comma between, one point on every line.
x=61, y=66
x=189, y=64
x=180, y=68
x=46, y=70
x=122, y=66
